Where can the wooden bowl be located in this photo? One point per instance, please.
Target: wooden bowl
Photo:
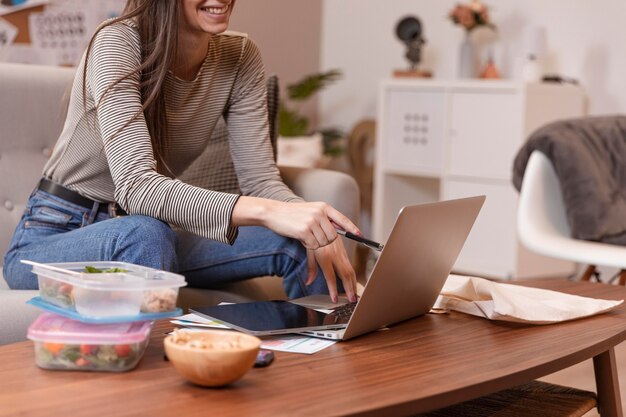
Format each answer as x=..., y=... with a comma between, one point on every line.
x=212, y=358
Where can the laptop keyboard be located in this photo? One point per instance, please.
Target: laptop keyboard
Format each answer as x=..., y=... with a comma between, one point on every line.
x=344, y=311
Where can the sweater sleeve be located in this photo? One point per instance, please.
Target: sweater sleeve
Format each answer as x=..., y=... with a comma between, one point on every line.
x=248, y=127
x=139, y=188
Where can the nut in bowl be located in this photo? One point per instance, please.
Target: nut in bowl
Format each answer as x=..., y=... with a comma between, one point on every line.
x=212, y=358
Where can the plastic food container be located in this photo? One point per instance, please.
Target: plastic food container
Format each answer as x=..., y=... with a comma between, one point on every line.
x=128, y=290
x=62, y=343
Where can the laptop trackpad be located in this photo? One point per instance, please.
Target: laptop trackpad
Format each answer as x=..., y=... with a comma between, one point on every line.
x=320, y=302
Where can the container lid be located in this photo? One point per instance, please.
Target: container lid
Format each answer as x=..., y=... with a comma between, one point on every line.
x=134, y=277
x=50, y=327
x=74, y=315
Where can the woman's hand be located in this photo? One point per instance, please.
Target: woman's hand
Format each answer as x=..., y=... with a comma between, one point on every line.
x=334, y=263
x=313, y=224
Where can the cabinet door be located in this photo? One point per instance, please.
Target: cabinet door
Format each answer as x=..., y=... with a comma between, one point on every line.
x=413, y=131
x=491, y=247
x=485, y=133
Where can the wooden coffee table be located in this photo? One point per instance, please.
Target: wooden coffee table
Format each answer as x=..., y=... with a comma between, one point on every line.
x=416, y=366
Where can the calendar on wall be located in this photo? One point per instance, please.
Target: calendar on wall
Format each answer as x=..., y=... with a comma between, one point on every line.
x=61, y=35
x=51, y=32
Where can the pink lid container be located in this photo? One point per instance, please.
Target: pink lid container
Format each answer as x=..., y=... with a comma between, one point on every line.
x=58, y=329
x=65, y=344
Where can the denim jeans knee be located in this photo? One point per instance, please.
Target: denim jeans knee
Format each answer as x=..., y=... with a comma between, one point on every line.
x=256, y=252
x=146, y=241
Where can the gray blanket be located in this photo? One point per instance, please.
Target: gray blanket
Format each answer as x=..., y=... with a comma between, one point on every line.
x=589, y=156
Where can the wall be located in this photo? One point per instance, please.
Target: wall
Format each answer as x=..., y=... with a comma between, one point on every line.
x=585, y=41
x=288, y=34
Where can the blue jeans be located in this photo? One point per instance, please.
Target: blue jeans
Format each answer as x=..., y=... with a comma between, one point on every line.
x=55, y=230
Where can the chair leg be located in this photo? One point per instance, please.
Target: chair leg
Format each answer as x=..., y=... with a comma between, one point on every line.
x=589, y=271
x=622, y=277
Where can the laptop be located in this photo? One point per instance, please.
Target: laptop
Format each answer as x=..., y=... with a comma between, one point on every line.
x=413, y=266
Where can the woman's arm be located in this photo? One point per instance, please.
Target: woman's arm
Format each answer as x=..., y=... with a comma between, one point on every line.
x=314, y=225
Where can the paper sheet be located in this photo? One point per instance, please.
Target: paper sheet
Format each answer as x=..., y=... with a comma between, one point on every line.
x=296, y=344
x=193, y=320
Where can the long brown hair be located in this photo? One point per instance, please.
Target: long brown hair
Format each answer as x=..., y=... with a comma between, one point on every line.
x=157, y=23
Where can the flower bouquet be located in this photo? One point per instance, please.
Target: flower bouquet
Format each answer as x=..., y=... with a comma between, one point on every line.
x=471, y=15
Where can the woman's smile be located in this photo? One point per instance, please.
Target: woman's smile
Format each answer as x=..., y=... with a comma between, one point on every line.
x=216, y=10
x=210, y=16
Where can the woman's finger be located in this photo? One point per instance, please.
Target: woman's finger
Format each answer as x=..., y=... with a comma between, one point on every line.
x=342, y=221
x=311, y=265
x=330, y=231
x=320, y=235
x=326, y=266
x=348, y=278
x=346, y=272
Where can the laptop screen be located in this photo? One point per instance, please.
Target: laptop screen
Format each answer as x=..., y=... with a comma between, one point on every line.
x=267, y=317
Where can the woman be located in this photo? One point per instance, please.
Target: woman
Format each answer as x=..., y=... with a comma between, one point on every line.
x=148, y=93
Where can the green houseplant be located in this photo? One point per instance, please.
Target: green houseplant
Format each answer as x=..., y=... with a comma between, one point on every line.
x=292, y=123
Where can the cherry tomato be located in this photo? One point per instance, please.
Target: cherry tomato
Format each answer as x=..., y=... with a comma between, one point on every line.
x=54, y=348
x=66, y=289
x=82, y=362
x=88, y=349
x=122, y=350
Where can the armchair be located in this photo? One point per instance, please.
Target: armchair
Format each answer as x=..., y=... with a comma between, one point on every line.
x=32, y=115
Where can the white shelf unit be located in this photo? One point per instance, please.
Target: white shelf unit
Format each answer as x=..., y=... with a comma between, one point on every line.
x=439, y=140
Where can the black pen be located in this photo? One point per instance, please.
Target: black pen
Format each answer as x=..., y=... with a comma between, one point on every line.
x=374, y=245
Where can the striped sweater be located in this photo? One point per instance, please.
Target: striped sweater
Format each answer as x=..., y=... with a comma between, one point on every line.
x=92, y=159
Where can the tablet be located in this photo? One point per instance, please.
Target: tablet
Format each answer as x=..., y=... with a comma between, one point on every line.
x=261, y=318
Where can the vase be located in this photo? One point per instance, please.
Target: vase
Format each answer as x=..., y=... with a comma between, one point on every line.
x=467, y=58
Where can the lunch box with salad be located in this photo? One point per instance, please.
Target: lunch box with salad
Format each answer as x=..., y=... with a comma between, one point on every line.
x=107, y=289
x=65, y=344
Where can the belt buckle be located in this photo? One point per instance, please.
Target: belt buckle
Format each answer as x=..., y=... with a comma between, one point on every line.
x=113, y=210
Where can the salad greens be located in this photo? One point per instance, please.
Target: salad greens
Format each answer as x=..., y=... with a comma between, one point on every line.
x=120, y=357
x=56, y=292
x=62, y=294
x=94, y=270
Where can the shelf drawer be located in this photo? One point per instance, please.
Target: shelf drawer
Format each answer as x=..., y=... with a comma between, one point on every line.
x=485, y=133
x=413, y=134
x=491, y=247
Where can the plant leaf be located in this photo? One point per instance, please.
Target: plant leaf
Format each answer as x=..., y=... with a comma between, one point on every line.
x=290, y=123
x=311, y=84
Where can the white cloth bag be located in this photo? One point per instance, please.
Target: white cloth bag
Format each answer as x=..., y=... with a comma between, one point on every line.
x=508, y=302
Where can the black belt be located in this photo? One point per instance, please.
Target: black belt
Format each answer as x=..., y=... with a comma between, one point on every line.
x=73, y=197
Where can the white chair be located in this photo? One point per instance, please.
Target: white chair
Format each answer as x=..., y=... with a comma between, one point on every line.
x=542, y=225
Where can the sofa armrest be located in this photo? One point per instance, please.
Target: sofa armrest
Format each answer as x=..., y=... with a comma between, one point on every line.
x=16, y=314
x=333, y=187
